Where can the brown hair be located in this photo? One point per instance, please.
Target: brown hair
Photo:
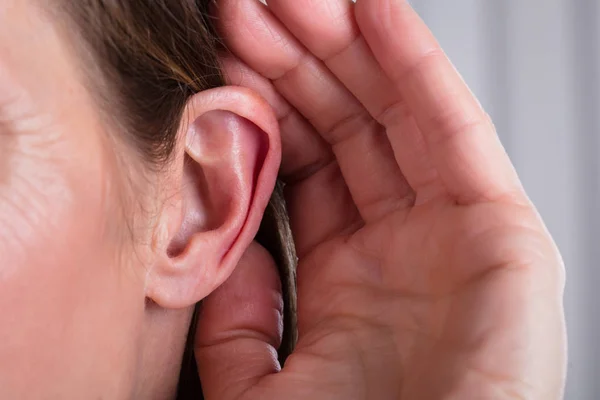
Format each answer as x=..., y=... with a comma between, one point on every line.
x=145, y=59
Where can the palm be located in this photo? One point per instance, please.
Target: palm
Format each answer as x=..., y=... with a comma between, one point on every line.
x=417, y=290
x=422, y=263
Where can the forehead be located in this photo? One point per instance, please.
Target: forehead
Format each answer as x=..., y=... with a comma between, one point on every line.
x=50, y=131
x=25, y=35
x=43, y=99
x=40, y=81
x=34, y=62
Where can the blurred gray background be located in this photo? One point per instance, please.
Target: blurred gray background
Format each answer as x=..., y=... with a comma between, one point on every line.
x=535, y=65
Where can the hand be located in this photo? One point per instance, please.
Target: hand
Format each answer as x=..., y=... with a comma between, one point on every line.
x=425, y=272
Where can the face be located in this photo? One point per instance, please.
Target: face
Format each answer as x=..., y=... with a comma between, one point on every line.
x=71, y=293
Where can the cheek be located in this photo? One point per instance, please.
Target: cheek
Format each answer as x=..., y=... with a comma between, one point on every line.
x=70, y=308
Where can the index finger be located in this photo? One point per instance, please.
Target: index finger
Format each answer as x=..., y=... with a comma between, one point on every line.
x=460, y=136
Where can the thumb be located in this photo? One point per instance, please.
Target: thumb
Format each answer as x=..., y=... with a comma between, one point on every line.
x=240, y=327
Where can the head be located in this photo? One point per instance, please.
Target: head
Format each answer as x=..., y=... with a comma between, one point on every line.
x=132, y=179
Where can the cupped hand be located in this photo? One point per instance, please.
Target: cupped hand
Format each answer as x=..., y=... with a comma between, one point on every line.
x=424, y=270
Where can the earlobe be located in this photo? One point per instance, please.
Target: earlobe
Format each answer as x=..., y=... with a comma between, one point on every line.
x=228, y=170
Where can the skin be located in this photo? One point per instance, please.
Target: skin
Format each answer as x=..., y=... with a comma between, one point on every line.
x=425, y=272
x=94, y=305
x=58, y=244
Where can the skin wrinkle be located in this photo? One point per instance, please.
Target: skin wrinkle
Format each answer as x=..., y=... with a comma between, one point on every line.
x=7, y=143
x=68, y=202
x=25, y=187
x=126, y=219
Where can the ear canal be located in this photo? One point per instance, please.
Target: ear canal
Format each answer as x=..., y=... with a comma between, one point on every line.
x=195, y=197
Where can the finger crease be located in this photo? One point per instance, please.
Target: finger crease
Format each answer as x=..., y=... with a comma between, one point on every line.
x=303, y=59
x=343, y=49
x=394, y=111
x=305, y=172
x=403, y=74
x=285, y=115
x=349, y=126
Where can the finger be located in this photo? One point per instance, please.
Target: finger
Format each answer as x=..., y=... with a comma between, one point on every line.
x=303, y=149
x=359, y=143
x=329, y=30
x=240, y=327
x=319, y=203
x=460, y=137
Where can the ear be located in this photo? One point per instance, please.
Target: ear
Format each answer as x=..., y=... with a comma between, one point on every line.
x=225, y=171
